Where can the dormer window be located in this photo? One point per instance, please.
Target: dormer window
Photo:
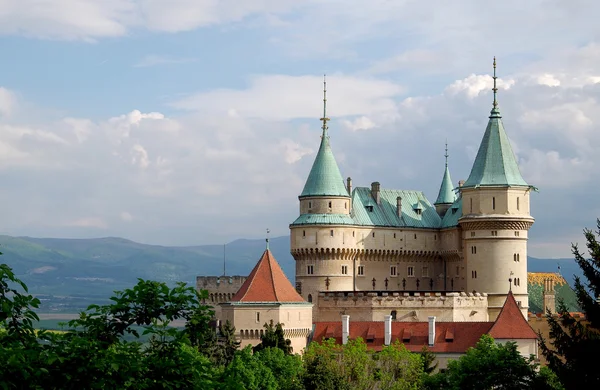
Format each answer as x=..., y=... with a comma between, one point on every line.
x=418, y=211
x=369, y=208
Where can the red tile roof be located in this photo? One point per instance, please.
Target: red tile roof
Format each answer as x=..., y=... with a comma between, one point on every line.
x=414, y=335
x=511, y=324
x=267, y=283
x=450, y=337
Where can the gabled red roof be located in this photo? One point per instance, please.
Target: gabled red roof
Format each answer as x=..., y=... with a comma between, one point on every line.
x=267, y=283
x=414, y=335
x=511, y=324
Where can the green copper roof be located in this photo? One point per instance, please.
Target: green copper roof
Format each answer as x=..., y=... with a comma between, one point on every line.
x=385, y=213
x=563, y=291
x=446, y=194
x=495, y=164
x=452, y=215
x=324, y=178
x=324, y=219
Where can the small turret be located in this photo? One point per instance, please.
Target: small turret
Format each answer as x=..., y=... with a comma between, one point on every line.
x=446, y=195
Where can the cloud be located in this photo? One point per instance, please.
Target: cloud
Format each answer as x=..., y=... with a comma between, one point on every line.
x=125, y=216
x=283, y=97
x=154, y=60
x=7, y=102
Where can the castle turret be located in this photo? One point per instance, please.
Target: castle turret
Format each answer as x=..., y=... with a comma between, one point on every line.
x=496, y=219
x=446, y=195
x=315, y=235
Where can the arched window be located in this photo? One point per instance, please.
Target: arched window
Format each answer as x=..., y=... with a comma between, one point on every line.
x=310, y=298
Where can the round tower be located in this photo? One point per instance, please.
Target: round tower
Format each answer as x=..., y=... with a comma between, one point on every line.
x=496, y=219
x=319, y=238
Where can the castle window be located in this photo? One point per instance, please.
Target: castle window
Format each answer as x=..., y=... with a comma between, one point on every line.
x=369, y=208
x=515, y=257
x=435, y=237
x=344, y=270
x=394, y=313
x=373, y=234
x=472, y=234
x=345, y=205
x=329, y=204
x=415, y=236
x=352, y=233
x=303, y=233
x=257, y=316
x=473, y=250
x=310, y=205
x=518, y=257
x=394, y=235
x=493, y=203
x=393, y=271
x=474, y=274
x=516, y=234
x=517, y=203
x=361, y=270
x=331, y=232
x=425, y=272
x=471, y=204
x=299, y=287
x=418, y=211
x=309, y=299
x=310, y=269
x=494, y=233
x=410, y=271
x=457, y=271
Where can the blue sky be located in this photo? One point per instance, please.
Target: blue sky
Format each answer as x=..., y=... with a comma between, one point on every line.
x=196, y=121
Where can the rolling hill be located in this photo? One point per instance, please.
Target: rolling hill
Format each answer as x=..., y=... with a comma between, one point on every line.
x=69, y=274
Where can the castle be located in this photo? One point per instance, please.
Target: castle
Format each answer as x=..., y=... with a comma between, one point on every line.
x=363, y=240
x=394, y=263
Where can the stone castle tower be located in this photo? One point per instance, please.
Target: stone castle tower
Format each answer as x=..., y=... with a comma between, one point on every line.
x=369, y=239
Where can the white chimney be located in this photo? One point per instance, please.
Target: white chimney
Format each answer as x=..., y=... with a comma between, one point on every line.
x=431, y=331
x=345, y=328
x=388, y=330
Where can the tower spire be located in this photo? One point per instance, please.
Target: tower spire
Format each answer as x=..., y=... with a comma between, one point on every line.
x=267, y=239
x=324, y=119
x=446, y=154
x=495, y=89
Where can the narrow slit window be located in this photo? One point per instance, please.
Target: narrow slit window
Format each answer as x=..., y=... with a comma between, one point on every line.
x=361, y=270
x=393, y=271
x=518, y=208
x=329, y=204
x=493, y=203
x=331, y=232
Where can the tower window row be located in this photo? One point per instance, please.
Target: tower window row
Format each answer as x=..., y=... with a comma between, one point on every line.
x=517, y=257
x=473, y=250
x=329, y=205
x=360, y=271
x=517, y=281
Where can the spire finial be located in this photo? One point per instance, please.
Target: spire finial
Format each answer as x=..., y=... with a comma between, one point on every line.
x=510, y=281
x=324, y=119
x=495, y=89
x=267, y=240
x=446, y=155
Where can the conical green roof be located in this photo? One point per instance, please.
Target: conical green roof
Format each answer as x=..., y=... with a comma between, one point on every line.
x=324, y=178
x=446, y=194
x=495, y=164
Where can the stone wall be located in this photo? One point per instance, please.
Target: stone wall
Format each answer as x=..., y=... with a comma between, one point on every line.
x=220, y=289
x=408, y=306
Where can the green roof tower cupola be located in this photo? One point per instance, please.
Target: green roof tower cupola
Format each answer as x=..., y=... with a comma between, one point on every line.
x=495, y=164
x=446, y=195
x=324, y=178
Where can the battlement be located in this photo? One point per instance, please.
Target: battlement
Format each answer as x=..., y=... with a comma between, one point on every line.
x=403, y=305
x=221, y=284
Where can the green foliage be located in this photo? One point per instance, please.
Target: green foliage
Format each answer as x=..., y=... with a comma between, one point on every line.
x=355, y=366
x=571, y=339
x=287, y=369
x=491, y=366
x=247, y=373
x=428, y=359
x=274, y=337
x=399, y=368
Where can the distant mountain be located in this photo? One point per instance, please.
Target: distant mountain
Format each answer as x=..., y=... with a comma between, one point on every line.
x=69, y=274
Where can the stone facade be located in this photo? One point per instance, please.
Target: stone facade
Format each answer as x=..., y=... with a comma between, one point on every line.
x=404, y=307
x=220, y=289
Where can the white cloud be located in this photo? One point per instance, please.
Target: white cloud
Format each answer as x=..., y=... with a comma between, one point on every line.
x=154, y=60
x=281, y=97
x=360, y=123
x=7, y=102
x=473, y=85
x=125, y=216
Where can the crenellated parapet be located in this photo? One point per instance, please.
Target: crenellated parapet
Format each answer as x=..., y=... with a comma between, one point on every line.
x=363, y=254
x=403, y=306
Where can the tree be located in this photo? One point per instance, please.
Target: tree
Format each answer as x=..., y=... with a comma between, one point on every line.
x=247, y=373
x=428, y=359
x=491, y=366
x=399, y=368
x=571, y=339
x=274, y=337
x=226, y=345
x=287, y=369
x=93, y=354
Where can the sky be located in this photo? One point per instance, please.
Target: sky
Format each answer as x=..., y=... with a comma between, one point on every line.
x=187, y=122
